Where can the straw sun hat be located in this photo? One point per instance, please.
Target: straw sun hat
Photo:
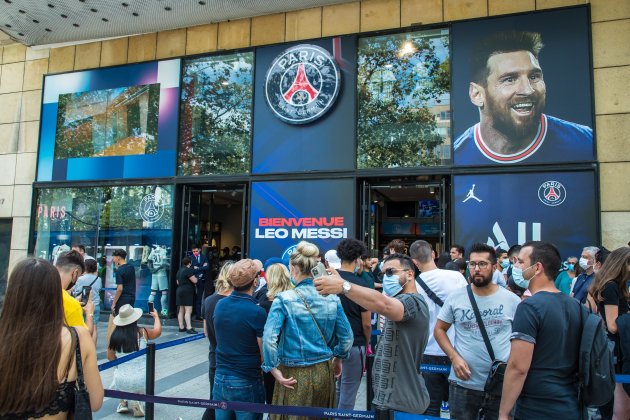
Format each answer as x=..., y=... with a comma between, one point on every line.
x=127, y=315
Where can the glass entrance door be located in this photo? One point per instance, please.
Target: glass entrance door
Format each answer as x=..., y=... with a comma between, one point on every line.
x=214, y=220
x=407, y=211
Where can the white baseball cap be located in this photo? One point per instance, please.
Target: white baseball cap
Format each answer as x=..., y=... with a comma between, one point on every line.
x=332, y=259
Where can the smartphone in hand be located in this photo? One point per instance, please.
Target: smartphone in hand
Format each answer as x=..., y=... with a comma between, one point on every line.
x=319, y=270
x=85, y=294
x=151, y=307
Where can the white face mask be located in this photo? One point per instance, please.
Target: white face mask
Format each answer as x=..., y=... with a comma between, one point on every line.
x=584, y=264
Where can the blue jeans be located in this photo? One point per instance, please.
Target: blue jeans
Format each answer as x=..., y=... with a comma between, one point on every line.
x=233, y=388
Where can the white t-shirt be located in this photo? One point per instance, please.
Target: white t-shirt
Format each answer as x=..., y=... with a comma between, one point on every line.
x=497, y=312
x=442, y=283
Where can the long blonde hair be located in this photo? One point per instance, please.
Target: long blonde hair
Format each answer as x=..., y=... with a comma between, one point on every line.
x=278, y=280
x=222, y=285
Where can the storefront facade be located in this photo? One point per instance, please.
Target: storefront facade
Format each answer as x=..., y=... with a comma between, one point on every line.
x=372, y=135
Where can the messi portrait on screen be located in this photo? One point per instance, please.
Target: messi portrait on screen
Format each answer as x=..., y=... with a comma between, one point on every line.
x=522, y=89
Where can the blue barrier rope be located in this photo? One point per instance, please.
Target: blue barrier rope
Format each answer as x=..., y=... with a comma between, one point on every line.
x=621, y=379
x=139, y=353
x=242, y=406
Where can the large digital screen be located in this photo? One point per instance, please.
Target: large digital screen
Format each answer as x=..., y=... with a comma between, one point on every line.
x=304, y=118
x=111, y=123
x=556, y=207
x=522, y=88
x=284, y=213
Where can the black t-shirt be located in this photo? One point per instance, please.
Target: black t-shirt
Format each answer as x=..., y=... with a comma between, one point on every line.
x=183, y=278
x=126, y=275
x=353, y=310
x=208, y=315
x=612, y=296
x=552, y=322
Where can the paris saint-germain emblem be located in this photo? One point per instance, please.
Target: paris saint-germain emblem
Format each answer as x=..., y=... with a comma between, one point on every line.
x=552, y=193
x=302, y=84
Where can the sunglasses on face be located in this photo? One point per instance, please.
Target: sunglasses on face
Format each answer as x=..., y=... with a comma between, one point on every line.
x=390, y=272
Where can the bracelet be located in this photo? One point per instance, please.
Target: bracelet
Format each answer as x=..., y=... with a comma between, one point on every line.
x=92, y=314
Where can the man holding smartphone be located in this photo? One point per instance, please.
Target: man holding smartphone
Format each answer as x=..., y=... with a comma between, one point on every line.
x=70, y=266
x=398, y=385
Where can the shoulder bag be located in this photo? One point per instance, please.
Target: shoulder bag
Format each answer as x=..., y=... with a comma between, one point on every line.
x=82, y=407
x=429, y=292
x=494, y=382
x=312, y=316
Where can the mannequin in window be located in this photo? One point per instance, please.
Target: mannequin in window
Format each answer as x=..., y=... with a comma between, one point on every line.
x=159, y=279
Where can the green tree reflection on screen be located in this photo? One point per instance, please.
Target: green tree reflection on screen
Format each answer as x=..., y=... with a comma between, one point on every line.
x=216, y=114
x=403, y=100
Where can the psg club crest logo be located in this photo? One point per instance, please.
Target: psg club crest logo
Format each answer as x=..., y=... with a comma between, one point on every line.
x=302, y=84
x=151, y=208
x=552, y=193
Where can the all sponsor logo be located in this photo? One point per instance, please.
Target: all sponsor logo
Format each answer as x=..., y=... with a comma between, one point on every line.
x=302, y=84
x=552, y=193
x=151, y=208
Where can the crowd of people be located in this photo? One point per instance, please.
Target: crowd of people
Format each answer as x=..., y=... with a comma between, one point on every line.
x=298, y=332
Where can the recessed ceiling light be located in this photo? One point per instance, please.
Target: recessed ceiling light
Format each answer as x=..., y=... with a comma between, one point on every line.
x=8, y=1
x=35, y=21
x=64, y=16
x=22, y=11
x=20, y=34
x=135, y=14
x=76, y=25
x=7, y=25
x=47, y=29
x=105, y=20
x=52, y=6
x=125, y=4
x=93, y=10
x=168, y=9
x=202, y=3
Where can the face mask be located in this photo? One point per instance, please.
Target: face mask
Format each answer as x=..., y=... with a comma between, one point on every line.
x=391, y=285
x=196, y=254
x=505, y=263
x=356, y=270
x=517, y=276
x=571, y=267
x=584, y=263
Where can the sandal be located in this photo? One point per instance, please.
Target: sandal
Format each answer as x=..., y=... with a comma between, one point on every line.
x=122, y=407
x=137, y=409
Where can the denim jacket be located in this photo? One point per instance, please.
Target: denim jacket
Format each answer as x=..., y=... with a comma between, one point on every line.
x=291, y=337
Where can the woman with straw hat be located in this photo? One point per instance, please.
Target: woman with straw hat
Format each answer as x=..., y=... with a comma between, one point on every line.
x=128, y=338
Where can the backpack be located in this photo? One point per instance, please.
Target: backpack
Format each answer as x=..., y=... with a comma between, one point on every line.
x=596, y=375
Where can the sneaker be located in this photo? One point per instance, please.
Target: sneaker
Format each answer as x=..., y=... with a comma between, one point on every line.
x=444, y=408
x=164, y=313
x=182, y=329
x=122, y=407
x=137, y=409
x=191, y=331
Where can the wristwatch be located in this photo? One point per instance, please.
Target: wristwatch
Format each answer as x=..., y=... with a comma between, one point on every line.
x=345, y=287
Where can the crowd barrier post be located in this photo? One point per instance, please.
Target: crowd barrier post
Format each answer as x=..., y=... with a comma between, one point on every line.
x=150, y=383
x=369, y=392
x=382, y=413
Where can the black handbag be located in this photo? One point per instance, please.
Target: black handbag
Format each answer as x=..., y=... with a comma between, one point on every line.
x=494, y=382
x=82, y=407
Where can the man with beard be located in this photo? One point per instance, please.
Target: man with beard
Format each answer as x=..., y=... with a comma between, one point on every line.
x=508, y=88
x=470, y=359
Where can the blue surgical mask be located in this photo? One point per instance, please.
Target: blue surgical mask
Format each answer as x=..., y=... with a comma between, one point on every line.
x=570, y=267
x=391, y=285
x=517, y=276
x=293, y=282
x=356, y=270
x=505, y=263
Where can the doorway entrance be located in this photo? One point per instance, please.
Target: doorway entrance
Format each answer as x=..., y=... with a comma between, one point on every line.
x=403, y=209
x=214, y=219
